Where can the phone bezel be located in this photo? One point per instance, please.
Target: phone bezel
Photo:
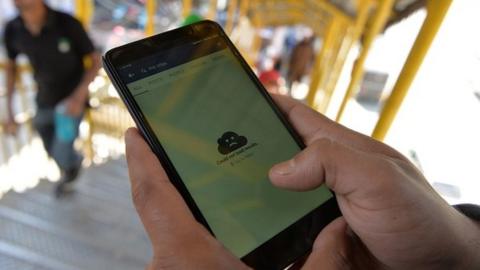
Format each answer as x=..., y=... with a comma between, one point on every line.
x=289, y=244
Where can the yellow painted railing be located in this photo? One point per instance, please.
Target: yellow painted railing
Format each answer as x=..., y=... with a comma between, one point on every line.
x=187, y=8
x=107, y=116
x=323, y=60
x=232, y=7
x=84, y=11
x=23, y=119
x=436, y=11
x=352, y=34
x=338, y=31
x=151, y=7
x=378, y=22
x=212, y=10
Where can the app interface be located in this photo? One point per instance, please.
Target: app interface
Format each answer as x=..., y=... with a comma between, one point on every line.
x=223, y=137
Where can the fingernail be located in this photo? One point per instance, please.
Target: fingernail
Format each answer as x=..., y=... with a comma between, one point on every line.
x=285, y=168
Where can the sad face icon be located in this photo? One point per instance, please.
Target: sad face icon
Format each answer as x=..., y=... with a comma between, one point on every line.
x=229, y=142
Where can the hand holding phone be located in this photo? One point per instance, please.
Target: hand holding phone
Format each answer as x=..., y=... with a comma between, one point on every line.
x=178, y=240
x=374, y=183
x=217, y=132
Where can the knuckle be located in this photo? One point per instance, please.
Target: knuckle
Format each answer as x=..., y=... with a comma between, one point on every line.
x=390, y=166
x=325, y=149
x=315, y=164
x=323, y=145
x=389, y=173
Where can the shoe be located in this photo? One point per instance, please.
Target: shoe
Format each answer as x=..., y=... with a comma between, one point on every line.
x=66, y=184
x=71, y=175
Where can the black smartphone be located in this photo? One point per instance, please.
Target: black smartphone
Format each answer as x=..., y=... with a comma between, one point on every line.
x=217, y=133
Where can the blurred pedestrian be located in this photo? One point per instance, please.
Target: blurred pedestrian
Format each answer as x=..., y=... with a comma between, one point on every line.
x=272, y=79
x=57, y=46
x=301, y=61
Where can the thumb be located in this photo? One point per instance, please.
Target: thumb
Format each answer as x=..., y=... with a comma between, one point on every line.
x=342, y=168
x=162, y=210
x=330, y=249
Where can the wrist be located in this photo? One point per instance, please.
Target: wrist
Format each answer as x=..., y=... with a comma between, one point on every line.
x=81, y=92
x=458, y=243
x=469, y=259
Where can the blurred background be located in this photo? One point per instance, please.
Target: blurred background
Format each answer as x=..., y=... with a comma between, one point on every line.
x=402, y=71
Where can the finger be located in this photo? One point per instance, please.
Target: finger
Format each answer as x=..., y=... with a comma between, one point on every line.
x=312, y=126
x=342, y=168
x=330, y=250
x=160, y=207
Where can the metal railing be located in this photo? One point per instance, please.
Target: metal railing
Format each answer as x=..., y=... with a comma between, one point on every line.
x=106, y=116
x=11, y=145
x=339, y=27
x=338, y=30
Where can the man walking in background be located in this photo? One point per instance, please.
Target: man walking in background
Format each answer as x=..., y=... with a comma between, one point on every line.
x=301, y=61
x=56, y=45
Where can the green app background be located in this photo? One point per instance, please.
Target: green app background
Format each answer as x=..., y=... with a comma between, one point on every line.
x=189, y=108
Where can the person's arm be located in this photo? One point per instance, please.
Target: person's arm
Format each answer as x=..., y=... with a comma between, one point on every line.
x=83, y=46
x=90, y=74
x=80, y=94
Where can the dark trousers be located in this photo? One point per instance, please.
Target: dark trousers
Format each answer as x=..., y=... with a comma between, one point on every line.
x=62, y=152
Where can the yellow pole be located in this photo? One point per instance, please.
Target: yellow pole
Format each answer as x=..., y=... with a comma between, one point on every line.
x=151, y=7
x=212, y=10
x=84, y=11
x=437, y=10
x=4, y=149
x=22, y=91
x=318, y=72
x=80, y=10
x=88, y=13
x=244, y=6
x=341, y=36
x=232, y=6
x=252, y=55
x=89, y=140
x=187, y=8
x=354, y=32
x=378, y=23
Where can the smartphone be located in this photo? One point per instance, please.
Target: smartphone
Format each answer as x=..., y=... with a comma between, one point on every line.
x=217, y=133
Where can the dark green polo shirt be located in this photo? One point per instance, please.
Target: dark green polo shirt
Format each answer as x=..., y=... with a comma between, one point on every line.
x=56, y=54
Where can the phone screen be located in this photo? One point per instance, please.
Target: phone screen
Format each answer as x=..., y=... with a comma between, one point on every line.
x=222, y=136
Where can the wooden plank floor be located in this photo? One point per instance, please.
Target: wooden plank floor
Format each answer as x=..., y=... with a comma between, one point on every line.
x=95, y=228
